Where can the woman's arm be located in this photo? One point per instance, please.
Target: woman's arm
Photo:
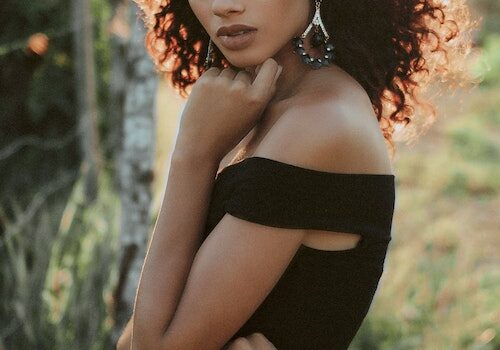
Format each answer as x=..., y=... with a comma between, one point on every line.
x=206, y=133
x=125, y=339
x=173, y=245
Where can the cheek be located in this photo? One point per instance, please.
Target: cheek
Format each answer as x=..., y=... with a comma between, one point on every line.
x=285, y=18
x=200, y=9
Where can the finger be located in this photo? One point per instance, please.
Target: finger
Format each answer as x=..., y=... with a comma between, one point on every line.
x=278, y=73
x=258, y=341
x=244, y=76
x=228, y=73
x=212, y=72
x=249, y=70
x=240, y=343
x=265, y=78
x=258, y=68
x=253, y=70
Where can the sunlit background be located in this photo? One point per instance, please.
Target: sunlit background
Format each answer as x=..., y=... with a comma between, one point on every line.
x=86, y=133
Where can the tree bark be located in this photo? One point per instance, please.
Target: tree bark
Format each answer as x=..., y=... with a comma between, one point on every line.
x=86, y=94
x=136, y=168
x=119, y=30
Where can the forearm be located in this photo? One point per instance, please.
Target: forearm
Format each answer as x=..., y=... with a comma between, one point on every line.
x=173, y=245
x=126, y=337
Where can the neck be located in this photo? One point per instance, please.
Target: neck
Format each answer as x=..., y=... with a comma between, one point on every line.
x=294, y=73
x=292, y=80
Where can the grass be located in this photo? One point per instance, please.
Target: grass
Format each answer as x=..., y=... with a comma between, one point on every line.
x=441, y=286
x=57, y=275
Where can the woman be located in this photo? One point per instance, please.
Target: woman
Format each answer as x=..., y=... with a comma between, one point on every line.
x=277, y=213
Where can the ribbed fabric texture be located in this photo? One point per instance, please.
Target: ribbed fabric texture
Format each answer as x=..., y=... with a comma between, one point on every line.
x=323, y=296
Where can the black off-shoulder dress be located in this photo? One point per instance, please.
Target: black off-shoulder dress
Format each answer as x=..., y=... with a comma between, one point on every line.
x=323, y=296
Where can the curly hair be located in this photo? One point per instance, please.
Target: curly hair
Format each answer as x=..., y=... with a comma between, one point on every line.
x=393, y=48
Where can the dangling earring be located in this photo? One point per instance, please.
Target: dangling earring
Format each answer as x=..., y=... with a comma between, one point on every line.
x=318, y=39
x=209, y=60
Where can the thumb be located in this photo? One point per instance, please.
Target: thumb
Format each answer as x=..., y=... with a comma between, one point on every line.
x=257, y=69
x=264, y=81
x=278, y=73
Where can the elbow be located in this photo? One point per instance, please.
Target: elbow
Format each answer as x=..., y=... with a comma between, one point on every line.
x=164, y=342
x=123, y=343
x=144, y=339
x=141, y=341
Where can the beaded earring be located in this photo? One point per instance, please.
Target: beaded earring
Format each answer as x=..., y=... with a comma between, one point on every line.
x=319, y=38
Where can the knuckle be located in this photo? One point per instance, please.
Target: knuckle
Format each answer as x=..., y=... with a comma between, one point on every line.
x=254, y=99
x=238, y=86
x=257, y=336
x=240, y=342
x=210, y=72
x=213, y=69
x=203, y=81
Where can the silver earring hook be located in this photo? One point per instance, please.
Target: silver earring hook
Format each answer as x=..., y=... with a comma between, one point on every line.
x=209, y=60
x=316, y=21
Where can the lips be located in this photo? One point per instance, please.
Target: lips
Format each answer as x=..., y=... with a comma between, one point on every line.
x=238, y=42
x=234, y=29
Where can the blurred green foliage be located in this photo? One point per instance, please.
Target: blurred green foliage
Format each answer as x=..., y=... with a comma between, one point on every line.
x=490, y=9
x=490, y=61
x=56, y=253
x=442, y=285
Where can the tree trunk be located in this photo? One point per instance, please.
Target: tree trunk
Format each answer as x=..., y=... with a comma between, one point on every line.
x=119, y=39
x=136, y=168
x=86, y=94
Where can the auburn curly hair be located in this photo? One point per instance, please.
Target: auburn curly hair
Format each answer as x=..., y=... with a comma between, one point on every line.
x=393, y=48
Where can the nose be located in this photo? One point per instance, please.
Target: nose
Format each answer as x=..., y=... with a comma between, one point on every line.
x=224, y=8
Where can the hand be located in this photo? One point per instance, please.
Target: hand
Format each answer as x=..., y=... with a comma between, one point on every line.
x=223, y=107
x=255, y=341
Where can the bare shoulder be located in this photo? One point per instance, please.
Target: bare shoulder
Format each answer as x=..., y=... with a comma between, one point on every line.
x=333, y=129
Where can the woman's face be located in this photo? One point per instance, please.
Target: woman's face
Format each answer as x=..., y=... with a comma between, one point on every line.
x=276, y=21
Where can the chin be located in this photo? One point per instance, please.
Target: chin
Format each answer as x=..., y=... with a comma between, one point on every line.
x=242, y=65
x=243, y=61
